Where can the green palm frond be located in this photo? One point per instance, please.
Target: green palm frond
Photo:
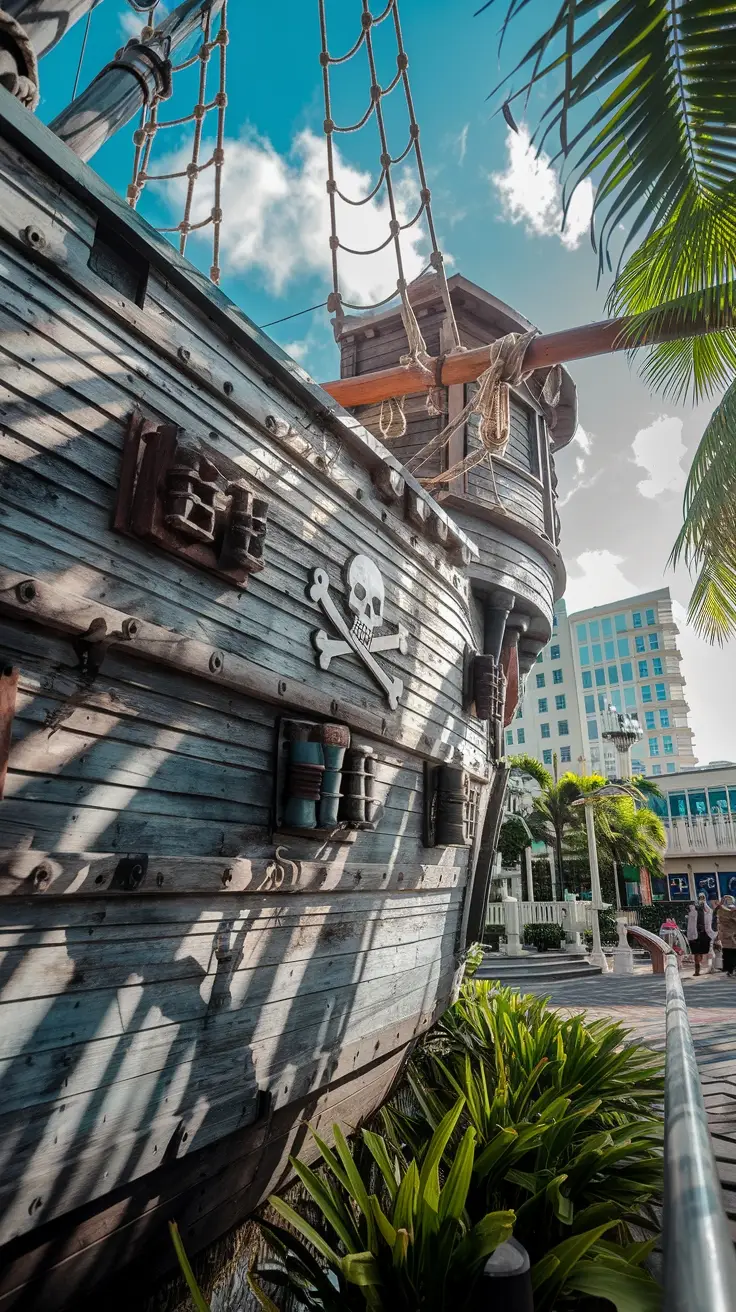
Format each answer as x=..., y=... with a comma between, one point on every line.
x=707, y=540
x=650, y=84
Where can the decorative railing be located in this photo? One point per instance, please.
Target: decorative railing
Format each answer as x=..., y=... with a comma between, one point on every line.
x=699, y=1260
x=701, y=834
x=543, y=913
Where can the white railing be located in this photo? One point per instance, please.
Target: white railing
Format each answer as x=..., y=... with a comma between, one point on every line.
x=701, y=834
x=543, y=913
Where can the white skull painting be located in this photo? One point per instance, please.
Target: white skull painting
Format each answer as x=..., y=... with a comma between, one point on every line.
x=366, y=598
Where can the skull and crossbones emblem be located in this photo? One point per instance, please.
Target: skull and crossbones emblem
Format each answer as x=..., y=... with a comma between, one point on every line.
x=366, y=600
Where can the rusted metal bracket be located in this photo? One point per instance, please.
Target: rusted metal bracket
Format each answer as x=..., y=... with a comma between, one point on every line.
x=450, y=806
x=8, y=693
x=191, y=501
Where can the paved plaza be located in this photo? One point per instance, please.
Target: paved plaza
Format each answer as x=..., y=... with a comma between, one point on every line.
x=638, y=1002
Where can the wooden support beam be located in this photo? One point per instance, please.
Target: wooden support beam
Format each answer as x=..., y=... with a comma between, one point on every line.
x=548, y=349
x=8, y=692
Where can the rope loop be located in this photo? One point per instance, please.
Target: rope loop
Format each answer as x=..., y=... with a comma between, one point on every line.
x=396, y=414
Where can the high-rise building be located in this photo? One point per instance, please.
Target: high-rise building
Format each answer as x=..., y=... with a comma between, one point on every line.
x=623, y=655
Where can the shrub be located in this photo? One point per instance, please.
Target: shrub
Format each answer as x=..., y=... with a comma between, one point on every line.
x=651, y=917
x=609, y=929
x=543, y=936
x=512, y=841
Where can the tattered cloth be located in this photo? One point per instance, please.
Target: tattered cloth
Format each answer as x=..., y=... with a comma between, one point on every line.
x=14, y=40
x=491, y=402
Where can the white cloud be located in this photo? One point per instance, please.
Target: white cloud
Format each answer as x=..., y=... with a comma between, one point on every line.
x=132, y=24
x=276, y=216
x=531, y=194
x=659, y=449
x=297, y=350
x=599, y=579
x=461, y=143
x=582, y=438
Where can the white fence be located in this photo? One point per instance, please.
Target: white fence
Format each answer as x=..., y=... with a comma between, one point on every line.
x=543, y=913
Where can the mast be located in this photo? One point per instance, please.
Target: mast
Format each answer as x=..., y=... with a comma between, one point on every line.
x=548, y=349
x=28, y=30
x=140, y=71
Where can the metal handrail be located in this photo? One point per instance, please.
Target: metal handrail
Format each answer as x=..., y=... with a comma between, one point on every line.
x=699, y=1258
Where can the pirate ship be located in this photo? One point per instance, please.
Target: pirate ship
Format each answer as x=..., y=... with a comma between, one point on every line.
x=253, y=679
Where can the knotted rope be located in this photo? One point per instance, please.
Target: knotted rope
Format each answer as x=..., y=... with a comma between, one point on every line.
x=491, y=402
x=13, y=36
x=417, y=353
x=150, y=125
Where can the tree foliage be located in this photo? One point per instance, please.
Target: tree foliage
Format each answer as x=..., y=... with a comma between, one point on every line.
x=646, y=108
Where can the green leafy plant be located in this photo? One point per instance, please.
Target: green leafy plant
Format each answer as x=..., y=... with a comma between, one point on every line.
x=473, y=959
x=512, y=840
x=405, y=1244
x=608, y=927
x=543, y=936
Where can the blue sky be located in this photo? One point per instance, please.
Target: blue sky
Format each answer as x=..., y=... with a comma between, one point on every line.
x=497, y=215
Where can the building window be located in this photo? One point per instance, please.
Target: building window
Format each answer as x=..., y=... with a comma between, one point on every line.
x=654, y=746
x=581, y=632
x=595, y=755
x=606, y=628
x=590, y=704
x=664, y=719
x=554, y=622
x=592, y=731
x=544, y=730
x=661, y=692
x=609, y=651
x=667, y=744
x=602, y=701
x=654, y=642
x=597, y=653
x=637, y=765
x=619, y=623
x=698, y=804
x=584, y=654
x=561, y=702
x=656, y=769
x=671, y=767
x=540, y=657
x=562, y=728
x=616, y=698
x=651, y=618
x=542, y=705
x=718, y=801
x=657, y=665
x=627, y=672
x=565, y=754
x=520, y=735
x=587, y=678
x=547, y=756
x=557, y=676
x=643, y=669
x=600, y=678
x=646, y=692
x=540, y=680
x=613, y=674
x=554, y=653
x=509, y=737
x=623, y=647
x=649, y=720
x=639, y=643
x=678, y=806
x=519, y=713
x=630, y=698
x=594, y=630
x=636, y=617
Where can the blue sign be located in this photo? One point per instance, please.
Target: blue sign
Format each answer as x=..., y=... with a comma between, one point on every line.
x=727, y=882
x=706, y=884
x=679, y=888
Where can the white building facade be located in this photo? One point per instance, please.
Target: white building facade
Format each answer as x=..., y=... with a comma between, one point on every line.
x=699, y=813
x=623, y=655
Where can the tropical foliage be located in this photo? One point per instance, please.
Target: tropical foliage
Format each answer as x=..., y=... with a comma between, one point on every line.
x=511, y=1116
x=512, y=840
x=644, y=103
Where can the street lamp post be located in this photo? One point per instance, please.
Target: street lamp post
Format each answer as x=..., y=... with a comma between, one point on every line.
x=623, y=731
x=597, y=956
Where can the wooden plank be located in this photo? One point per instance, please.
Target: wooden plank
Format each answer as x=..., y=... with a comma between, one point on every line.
x=74, y=614
x=8, y=695
x=80, y=874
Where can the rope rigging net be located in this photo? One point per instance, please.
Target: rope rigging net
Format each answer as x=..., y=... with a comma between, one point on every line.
x=417, y=352
x=214, y=39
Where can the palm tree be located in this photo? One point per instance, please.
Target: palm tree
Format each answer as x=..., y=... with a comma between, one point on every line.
x=647, y=107
x=625, y=834
x=553, y=814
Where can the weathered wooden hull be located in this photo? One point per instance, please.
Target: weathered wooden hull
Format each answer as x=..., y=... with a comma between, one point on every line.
x=167, y=1035
x=183, y=985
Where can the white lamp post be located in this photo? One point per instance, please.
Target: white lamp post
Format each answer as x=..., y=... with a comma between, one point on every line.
x=623, y=731
x=598, y=956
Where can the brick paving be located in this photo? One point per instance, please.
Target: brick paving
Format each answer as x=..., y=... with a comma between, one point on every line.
x=638, y=1002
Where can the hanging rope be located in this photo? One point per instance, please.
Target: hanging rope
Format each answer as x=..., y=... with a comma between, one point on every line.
x=417, y=353
x=150, y=124
x=491, y=402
